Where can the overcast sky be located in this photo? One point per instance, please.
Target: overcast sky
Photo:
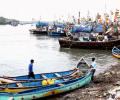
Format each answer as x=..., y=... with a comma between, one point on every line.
x=53, y=9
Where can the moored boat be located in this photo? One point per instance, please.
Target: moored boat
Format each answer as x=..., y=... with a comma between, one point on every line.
x=40, y=28
x=7, y=79
x=116, y=51
x=38, y=31
x=56, y=32
x=68, y=43
x=57, y=29
x=44, y=91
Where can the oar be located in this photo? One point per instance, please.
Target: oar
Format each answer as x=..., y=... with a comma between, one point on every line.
x=7, y=77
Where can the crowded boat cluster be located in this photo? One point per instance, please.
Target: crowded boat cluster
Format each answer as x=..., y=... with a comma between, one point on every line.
x=101, y=28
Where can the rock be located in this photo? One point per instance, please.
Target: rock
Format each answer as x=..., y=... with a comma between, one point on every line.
x=106, y=94
x=117, y=83
x=107, y=74
x=70, y=97
x=118, y=72
x=112, y=72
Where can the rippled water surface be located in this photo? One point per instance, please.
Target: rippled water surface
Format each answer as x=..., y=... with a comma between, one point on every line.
x=18, y=46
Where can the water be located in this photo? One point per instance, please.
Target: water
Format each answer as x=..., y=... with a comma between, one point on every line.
x=18, y=46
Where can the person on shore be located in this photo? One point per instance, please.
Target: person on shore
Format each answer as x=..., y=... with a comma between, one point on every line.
x=30, y=68
x=93, y=66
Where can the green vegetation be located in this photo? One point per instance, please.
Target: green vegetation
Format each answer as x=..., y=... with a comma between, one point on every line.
x=4, y=21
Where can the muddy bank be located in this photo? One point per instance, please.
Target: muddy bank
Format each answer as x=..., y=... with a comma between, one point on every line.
x=97, y=90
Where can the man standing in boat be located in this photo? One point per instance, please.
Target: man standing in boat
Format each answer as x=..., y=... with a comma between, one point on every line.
x=30, y=68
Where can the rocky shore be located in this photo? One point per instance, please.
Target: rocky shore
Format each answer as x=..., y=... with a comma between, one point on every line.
x=99, y=89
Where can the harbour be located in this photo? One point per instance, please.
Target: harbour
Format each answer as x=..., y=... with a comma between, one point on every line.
x=59, y=50
x=21, y=46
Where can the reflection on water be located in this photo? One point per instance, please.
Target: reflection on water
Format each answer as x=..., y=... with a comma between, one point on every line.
x=18, y=46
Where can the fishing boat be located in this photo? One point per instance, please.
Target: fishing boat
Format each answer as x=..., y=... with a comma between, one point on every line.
x=56, y=32
x=8, y=79
x=44, y=91
x=116, y=52
x=57, y=29
x=39, y=31
x=40, y=28
x=70, y=43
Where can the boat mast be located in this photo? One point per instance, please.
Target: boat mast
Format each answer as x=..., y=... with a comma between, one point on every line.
x=79, y=17
x=105, y=5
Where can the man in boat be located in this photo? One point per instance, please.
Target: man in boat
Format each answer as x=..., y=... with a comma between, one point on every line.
x=93, y=66
x=30, y=67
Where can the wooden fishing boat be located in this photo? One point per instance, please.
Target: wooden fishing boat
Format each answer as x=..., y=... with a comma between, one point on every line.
x=68, y=43
x=38, y=31
x=38, y=77
x=21, y=83
x=57, y=31
x=18, y=85
x=39, y=28
x=116, y=52
x=44, y=91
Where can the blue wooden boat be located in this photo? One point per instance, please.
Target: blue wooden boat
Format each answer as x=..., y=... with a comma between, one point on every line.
x=57, y=31
x=116, y=52
x=44, y=91
x=7, y=79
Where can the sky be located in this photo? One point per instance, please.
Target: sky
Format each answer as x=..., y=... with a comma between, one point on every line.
x=26, y=10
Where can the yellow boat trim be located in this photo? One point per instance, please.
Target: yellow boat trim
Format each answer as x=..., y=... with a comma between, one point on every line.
x=52, y=92
x=15, y=90
x=116, y=55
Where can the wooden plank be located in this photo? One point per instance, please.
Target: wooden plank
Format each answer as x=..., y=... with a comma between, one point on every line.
x=7, y=80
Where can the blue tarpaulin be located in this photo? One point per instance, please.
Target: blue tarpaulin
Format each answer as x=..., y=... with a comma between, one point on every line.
x=60, y=25
x=81, y=28
x=41, y=24
x=98, y=28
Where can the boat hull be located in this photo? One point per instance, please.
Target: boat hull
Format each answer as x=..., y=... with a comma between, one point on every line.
x=38, y=93
x=56, y=34
x=33, y=31
x=88, y=44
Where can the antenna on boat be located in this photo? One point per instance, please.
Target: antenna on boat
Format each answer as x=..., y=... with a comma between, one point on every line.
x=105, y=6
x=88, y=15
x=79, y=18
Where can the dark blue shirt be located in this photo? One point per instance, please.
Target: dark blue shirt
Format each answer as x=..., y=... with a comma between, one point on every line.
x=30, y=67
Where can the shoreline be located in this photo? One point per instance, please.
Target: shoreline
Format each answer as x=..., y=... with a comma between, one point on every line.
x=99, y=89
